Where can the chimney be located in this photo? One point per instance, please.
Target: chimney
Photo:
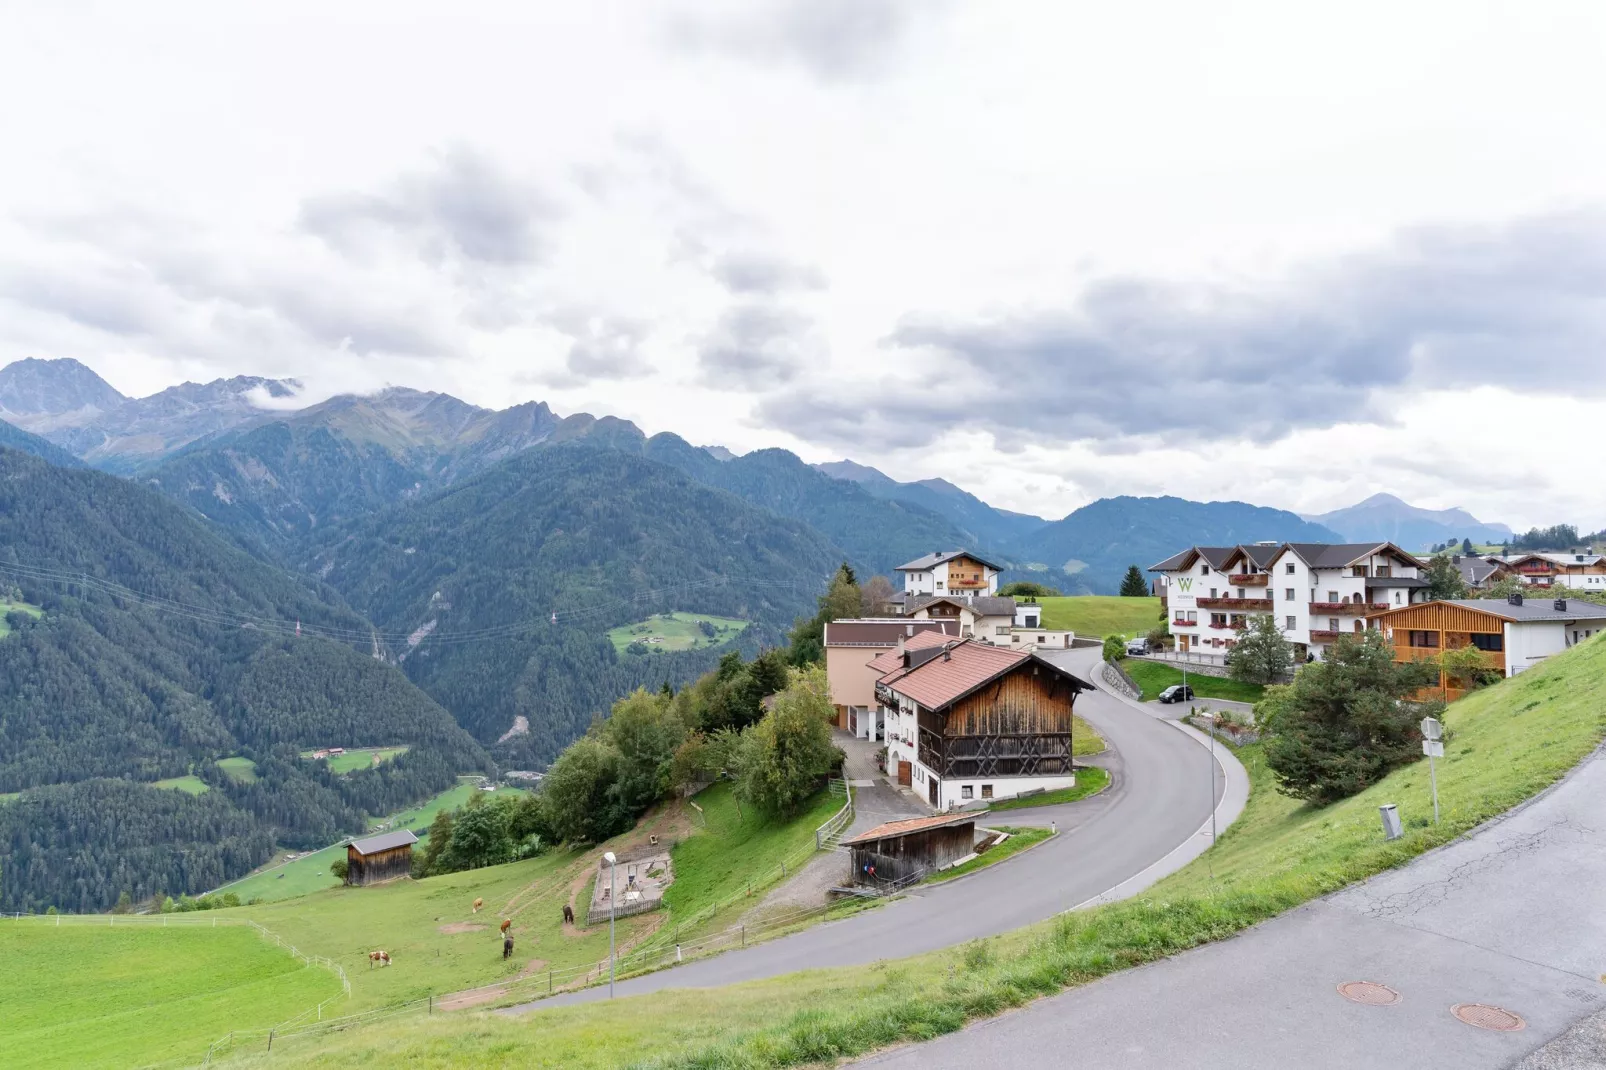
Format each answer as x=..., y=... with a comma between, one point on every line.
x=1455, y=559
x=1515, y=599
x=947, y=654
x=908, y=629
x=1561, y=605
x=900, y=646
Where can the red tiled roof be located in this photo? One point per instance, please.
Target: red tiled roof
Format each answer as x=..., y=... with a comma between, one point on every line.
x=891, y=659
x=914, y=824
x=966, y=666
x=883, y=632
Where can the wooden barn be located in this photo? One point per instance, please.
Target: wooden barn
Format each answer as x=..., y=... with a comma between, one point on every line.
x=970, y=722
x=380, y=858
x=906, y=850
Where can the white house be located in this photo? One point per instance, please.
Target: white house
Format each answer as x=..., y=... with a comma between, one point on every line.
x=950, y=572
x=1315, y=591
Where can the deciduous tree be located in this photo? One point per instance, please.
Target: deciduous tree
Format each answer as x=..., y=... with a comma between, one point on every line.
x=1262, y=655
x=1444, y=579
x=783, y=757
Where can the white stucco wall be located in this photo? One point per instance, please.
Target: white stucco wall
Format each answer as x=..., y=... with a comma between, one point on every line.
x=1528, y=643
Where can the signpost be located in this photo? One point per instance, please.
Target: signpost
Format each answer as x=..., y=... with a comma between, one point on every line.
x=1433, y=747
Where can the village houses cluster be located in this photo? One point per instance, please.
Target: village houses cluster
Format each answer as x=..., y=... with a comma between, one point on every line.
x=1318, y=592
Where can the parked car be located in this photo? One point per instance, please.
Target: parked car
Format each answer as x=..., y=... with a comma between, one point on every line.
x=1177, y=693
x=1137, y=646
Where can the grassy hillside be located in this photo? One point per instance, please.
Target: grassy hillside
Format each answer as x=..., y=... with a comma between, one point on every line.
x=1098, y=615
x=89, y=995
x=9, y=606
x=675, y=631
x=1511, y=741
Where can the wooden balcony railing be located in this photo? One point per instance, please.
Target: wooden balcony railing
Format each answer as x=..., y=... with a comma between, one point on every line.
x=1247, y=579
x=1264, y=604
x=1354, y=609
x=1324, y=636
x=1494, y=659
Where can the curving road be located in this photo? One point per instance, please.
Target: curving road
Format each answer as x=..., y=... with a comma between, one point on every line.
x=1149, y=822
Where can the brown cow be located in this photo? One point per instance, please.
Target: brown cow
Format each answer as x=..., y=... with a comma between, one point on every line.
x=506, y=923
x=568, y=914
x=477, y=904
x=380, y=958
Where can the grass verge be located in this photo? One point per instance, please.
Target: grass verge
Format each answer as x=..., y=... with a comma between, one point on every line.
x=1019, y=840
x=1085, y=739
x=1089, y=781
x=1511, y=741
x=1154, y=678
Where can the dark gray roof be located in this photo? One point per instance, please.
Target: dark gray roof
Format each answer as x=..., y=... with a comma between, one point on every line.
x=931, y=561
x=981, y=605
x=1474, y=570
x=1215, y=556
x=384, y=842
x=1339, y=554
x=1535, y=609
x=880, y=632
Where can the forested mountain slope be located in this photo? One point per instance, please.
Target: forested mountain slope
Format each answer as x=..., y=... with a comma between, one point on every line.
x=597, y=537
x=998, y=530
x=878, y=534
x=15, y=438
x=158, y=647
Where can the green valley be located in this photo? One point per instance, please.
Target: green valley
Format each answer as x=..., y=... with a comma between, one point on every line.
x=665, y=632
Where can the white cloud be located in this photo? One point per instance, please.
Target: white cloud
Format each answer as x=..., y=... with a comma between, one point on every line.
x=709, y=214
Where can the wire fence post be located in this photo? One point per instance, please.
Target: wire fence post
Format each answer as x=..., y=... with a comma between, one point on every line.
x=270, y=1040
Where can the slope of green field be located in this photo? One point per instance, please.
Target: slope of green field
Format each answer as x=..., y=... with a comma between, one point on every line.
x=355, y=758
x=1098, y=615
x=1510, y=741
x=190, y=785
x=676, y=631
x=87, y=994
x=239, y=770
x=1153, y=678
x=8, y=606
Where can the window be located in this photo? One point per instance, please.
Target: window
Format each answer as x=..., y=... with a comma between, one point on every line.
x=1014, y=639
x=1288, y=623
x=1240, y=592
x=1212, y=592
x=1204, y=570
x=1288, y=595
x=1002, y=629
x=1332, y=624
x=986, y=791
x=1031, y=622
x=1042, y=638
x=1491, y=642
x=1218, y=620
x=1397, y=597
x=1424, y=639
x=1332, y=596
x=1193, y=616
x=939, y=585
x=1289, y=568
x=967, y=792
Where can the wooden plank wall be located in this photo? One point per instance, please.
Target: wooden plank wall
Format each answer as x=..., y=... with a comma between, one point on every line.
x=1441, y=617
x=1029, y=701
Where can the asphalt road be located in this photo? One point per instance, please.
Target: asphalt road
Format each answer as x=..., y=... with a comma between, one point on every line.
x=1162, y=794
x=1512, y=916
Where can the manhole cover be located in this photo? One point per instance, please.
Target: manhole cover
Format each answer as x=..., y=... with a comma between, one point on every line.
x=1486, y=1017
x=1370, y=993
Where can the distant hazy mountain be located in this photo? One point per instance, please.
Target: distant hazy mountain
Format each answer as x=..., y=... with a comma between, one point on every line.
x=986, y=527
x=70, y=405
x=1089, y=550
x=1385, y=518
x=17, y=439
x=34, y=387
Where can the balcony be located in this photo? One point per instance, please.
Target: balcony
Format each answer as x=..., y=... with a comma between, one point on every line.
x=1264, y=604
x=1324, y=636
x=1353, y=609
x=1248, y=579
x=1183, y=623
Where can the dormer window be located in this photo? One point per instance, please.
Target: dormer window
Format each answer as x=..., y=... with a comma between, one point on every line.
x=1204, y=570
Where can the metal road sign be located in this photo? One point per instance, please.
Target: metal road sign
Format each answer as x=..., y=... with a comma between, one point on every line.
x=1431, y=729
x=1433, y=748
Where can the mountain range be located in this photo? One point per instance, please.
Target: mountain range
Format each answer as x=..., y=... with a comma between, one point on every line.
x=1385, y=518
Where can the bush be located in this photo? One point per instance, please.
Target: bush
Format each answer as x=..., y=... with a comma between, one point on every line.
x=1028, y=589
x=783, y=757
x=1158, y=638
x=340, y=867
x=1114, y=648
x=1346, y=721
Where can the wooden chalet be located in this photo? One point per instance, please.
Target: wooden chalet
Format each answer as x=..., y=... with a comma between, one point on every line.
x=900, y=851
x=968, y=721
x=380, y=858
x=1511, y=634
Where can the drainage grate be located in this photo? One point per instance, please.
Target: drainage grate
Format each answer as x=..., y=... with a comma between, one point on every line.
x=1369, y=993
x=1486, y=1017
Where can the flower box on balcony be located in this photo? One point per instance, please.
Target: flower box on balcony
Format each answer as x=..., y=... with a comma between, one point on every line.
x=1247, y=579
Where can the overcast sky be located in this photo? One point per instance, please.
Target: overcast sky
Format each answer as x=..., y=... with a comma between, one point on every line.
x=1287, y=253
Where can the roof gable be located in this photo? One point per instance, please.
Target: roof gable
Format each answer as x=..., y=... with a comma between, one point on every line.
x=930, y=561
x=960, y=668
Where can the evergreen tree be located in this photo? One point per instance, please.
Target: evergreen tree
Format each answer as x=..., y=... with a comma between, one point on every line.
x=1346, y=720
x=1444, y=579
x=1466, y=547
x=1133, y=584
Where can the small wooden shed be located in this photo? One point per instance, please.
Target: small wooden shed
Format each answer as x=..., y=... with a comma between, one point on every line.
x=380, y=858
x=900, y=850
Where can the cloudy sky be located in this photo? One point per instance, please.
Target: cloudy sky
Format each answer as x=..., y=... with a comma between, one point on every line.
x=1288, y=253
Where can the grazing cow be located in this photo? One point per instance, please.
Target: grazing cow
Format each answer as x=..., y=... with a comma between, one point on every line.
x=379, y=958
x=477, y=904
x=506, y=924
x=507, y=946
x=568, y=914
